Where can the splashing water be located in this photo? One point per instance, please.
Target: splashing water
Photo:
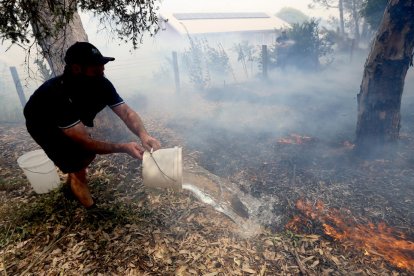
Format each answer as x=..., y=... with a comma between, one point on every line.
x=205, y=198
x=248, y=227
x=249, y=213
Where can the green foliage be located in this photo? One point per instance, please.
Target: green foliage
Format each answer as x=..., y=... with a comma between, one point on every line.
x=217, y=59
x=310, y=45
x=306, y=47
x=14, y=21
x=193, y=59
x=26, y=220
x=292, y=15
x=201, y=60
x=246, y=53
x=293, y=237
x=44, y=71
x=372, y=11
x=128, y=19
x=10, y=184
x=350, y=19
x=20, y=17
x=47, y=213
x=328, y=4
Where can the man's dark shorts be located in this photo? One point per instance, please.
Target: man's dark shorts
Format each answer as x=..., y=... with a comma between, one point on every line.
x=67, y=155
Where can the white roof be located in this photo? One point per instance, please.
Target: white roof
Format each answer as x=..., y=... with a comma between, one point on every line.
x=203, y=23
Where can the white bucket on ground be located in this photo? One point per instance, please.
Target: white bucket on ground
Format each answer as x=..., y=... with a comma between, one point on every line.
x=39, y=170
x=163, y=168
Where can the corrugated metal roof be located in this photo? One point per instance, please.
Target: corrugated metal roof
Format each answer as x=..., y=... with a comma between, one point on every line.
x=204, y=23
x=219, y=15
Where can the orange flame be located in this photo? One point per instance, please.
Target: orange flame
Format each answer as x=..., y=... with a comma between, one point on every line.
x=381, y=240
x=348, y=145
x=293, y=223
x=294, y=139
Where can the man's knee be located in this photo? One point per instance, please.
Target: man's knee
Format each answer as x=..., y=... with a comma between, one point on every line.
x=77, y=178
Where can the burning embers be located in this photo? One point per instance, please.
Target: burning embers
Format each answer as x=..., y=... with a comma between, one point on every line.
x=381, y=240
x=295, y=139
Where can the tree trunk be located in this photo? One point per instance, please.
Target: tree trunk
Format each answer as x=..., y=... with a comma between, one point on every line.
x=54, y=47
x=55, y=44
x=379, y=99
x=355, y=16
x=365, y=32
x=341, y=17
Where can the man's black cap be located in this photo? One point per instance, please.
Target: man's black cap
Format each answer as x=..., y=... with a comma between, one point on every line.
x=85, y=53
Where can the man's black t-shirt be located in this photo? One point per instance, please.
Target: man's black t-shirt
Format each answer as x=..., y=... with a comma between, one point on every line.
x=64, y=101
x=61, y=103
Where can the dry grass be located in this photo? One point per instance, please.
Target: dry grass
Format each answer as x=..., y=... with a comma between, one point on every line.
x=148, y=234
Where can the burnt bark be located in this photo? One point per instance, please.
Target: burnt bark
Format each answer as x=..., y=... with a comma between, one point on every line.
x=55, y=32
x=379, y=99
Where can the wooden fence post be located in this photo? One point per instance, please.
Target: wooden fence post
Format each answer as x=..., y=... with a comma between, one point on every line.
x=264, y=61
x=352, y=50
x=18, y=85
x=176, y=72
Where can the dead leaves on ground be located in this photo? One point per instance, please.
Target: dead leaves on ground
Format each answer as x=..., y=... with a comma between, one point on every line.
x=173, y=234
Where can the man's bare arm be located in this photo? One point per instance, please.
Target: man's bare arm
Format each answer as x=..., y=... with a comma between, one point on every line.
x=133, y=121
x=79, y=134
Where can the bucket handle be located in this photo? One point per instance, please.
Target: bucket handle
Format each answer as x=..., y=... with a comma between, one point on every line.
x=40, y=172
x=160, y=168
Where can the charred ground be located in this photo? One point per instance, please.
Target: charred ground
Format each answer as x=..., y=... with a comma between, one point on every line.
x=174, y=234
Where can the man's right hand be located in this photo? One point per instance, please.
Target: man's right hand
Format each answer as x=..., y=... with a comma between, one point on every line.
x=79, y=134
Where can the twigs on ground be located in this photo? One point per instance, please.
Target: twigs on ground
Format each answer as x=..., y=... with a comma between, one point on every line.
x=300, y=264
x=47, y=249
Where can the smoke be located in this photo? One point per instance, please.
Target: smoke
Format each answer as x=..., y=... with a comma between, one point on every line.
x=236, y=126
x=318, y=104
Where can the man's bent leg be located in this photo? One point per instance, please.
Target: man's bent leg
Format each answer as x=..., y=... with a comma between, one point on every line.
x=79, y=187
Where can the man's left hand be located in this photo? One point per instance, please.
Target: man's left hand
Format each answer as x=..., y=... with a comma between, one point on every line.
x=150, y=142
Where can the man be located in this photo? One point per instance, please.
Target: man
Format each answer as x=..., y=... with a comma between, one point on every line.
x=283, y=48
x=282, y=38
x=59, y=111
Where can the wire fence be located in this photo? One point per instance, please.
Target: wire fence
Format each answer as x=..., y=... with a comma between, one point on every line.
x=194, y=68
x=190, y=71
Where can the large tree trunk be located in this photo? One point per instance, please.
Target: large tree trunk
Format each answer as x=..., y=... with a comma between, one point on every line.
x=54, y=47
x=54, y=42
x=379, y=99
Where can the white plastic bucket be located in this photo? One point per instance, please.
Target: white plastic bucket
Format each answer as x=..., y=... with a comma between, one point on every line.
x=163, y=168
x=39, y=170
